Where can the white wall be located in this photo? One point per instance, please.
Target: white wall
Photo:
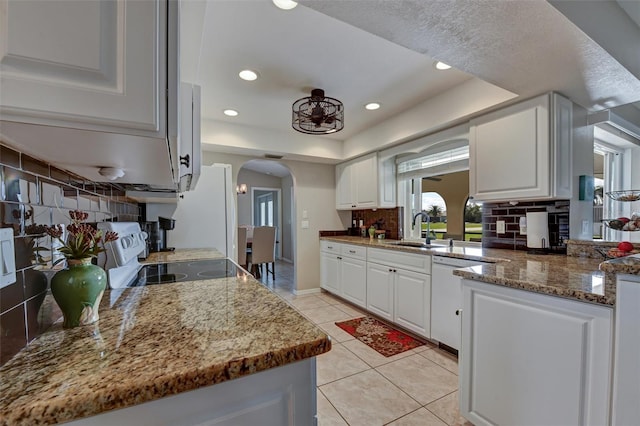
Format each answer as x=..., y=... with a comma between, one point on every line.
x=314, y=191
x=287, y=218
x=252, y=179
x=580, y=211
x=435, y=114
x=247, y=140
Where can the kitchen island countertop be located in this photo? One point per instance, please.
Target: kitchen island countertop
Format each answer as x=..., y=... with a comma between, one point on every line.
x=578, y=278
x=153, y=342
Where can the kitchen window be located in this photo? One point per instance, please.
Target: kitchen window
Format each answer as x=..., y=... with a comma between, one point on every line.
x=441, y=170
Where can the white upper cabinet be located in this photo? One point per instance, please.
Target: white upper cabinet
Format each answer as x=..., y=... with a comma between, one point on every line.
x=94, y=65
x=365, y=183
x=523, y=152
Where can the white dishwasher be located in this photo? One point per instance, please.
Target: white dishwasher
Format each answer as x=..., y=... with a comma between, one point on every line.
x=446, y=299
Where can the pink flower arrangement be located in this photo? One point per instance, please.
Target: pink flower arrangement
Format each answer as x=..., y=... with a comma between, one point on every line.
x=82, y=239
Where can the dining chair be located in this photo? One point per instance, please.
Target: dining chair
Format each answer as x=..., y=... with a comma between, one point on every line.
x=263, y=250
x=242, y=247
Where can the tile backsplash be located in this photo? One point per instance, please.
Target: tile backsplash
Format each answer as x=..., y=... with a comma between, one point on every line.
x=511, y=213
x=33, y=194
x=388, y=219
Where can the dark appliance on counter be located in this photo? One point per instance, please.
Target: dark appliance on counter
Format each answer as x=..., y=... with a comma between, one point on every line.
x=166, y=224
x=153, y=240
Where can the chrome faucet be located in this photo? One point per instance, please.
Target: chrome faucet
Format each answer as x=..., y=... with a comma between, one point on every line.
x=425, y=218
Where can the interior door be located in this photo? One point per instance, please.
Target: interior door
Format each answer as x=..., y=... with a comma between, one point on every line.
x=266, y=212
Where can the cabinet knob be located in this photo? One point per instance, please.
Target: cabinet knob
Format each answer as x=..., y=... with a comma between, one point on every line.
x=458, y=312
x=352, y=251
x=330, y=247
x=339, y=258
x=390, y=270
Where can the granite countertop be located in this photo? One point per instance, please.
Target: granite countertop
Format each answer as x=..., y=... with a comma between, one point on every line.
x=622, y=265
x=155, y=341
x=577, y=278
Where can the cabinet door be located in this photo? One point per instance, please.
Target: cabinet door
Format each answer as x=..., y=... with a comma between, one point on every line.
x=387, y=183
x=345, y=198
x=380, y=281
x=533, y=359
x=446, y=299
x=329, y=278
x=366, y=181
x=509, y=153
x=353, y=280
x=98, y=65
x=412, y=301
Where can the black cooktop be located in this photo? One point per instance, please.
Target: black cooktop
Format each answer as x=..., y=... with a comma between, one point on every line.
x=166, y=273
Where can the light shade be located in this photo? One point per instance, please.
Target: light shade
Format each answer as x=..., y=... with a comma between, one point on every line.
x=248, y=75
x=230, y=112
x=242, y=188
x=318, y=114
x=285, y=4
x=111, y=173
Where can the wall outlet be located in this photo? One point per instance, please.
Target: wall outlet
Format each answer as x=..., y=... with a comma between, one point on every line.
x=500, y=227
x=304, y=224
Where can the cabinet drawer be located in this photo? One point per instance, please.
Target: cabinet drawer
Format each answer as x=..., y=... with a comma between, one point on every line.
x=399, y=259
x=357, y=252
x=330, y=247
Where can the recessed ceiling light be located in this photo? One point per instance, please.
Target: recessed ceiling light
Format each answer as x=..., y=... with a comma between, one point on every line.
x=372, y=106
x=442, y=66
x=230, y=112
x=248, y=75
x=285, y=4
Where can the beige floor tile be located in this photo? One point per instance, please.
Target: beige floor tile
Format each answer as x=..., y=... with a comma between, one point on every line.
x=324, y=314
x=337, y=334
x=421, y=378
x=442, y=358
x=309, y=302
x=368, y=399
x=337, y=363
x=421, y=417
x=350, y=310
x=329, y=298
x=371, y=356
x=447, y=409
x=327, y=415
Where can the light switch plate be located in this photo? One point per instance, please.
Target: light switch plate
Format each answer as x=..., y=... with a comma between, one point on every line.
x=500, y=227
x=7, y=258
x=304, y=224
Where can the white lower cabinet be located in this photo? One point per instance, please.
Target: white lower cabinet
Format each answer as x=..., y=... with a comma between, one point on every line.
x=329, y=276
x=626, y=374
x=412, y=301
x=343, y=271
x=399, y=295
x=380, y=281
x=353, y=277
x=533, y=359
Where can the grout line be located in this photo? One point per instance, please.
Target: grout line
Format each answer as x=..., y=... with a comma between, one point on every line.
x=330, y=403
x=404, y=415
x=427, y=408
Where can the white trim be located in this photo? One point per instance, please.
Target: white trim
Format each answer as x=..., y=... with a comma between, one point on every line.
x=279, y=222
x=307, y=291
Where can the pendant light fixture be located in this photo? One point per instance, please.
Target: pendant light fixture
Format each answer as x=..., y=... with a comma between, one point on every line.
x=318, y=114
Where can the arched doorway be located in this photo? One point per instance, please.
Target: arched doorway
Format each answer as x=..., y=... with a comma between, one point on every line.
x=269, y=201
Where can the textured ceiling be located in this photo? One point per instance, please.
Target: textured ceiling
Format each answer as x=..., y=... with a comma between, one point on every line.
x=527, y=47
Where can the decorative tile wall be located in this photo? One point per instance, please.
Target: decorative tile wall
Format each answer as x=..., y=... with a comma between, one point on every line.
x=34, y=194
x=512, y=239
x=390, y=220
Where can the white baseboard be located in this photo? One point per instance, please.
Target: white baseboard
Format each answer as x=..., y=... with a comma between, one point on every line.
x=284, y=259
x=307, y=291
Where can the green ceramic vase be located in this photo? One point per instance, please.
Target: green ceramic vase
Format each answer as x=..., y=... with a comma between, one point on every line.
x=78, y=291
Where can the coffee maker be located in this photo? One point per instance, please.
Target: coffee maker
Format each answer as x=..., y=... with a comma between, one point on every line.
x=165, y=225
